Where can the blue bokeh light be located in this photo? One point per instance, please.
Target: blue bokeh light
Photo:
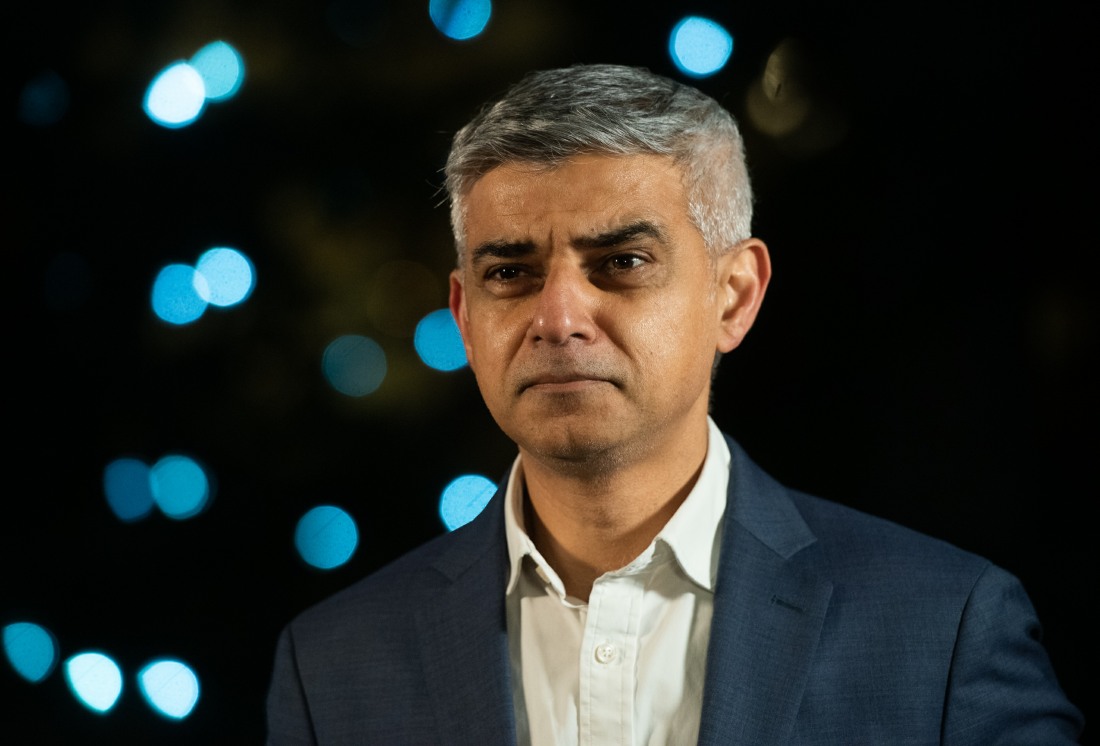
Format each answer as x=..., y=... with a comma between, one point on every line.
x=126, y=485
x=44, y=100
x=31, y=649
x=460, y=19
x=438, y=341
x=180, y=487
x=228, y=276
x=176, y=97
x=464, y=498
x=221, y=69
x=326, y=537
x=95, y=680
x=170, y=687
x=354, y=365
x=699, y=47
x=178, y=294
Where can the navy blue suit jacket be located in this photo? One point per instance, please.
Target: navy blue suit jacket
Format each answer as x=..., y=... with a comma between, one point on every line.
x=830, y=627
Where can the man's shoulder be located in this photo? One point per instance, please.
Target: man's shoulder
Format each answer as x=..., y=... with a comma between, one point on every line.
x=842, y=536
x=387, y=594
x=392, y=593
x=859, y=543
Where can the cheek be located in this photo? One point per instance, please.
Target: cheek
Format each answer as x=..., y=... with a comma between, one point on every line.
x=490, y=345
x=681, y=319
x=682, y=338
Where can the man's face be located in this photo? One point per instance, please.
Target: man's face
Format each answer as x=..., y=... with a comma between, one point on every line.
x=590, y=309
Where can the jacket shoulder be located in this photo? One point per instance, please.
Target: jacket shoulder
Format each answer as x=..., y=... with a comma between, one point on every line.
x=392, y=593
x=853, y=538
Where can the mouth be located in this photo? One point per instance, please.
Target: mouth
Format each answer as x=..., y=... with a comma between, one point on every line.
x=562, y=383
x=576, y=384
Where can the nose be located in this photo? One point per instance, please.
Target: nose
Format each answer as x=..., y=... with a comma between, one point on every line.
x=565, y=308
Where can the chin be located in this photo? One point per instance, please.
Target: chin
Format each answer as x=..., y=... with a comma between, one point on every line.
x=585, y=451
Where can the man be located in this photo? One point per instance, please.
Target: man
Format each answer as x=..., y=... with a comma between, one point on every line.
x=637, y=579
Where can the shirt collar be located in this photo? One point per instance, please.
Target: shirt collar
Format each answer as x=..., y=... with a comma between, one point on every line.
x=698, y=516
x=520, y=545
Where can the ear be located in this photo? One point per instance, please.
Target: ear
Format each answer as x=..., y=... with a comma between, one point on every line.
x=743, y=275
x=457, y=303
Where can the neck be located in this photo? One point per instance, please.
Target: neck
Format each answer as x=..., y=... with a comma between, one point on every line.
x=587, y=523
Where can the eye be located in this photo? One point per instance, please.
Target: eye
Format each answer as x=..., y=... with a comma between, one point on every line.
x=624, y=262
x=504, y=273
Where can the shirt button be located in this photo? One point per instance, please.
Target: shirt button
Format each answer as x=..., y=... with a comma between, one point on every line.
x=605, y=653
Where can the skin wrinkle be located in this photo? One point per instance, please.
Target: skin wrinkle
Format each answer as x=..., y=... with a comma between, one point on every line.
x=601, y=240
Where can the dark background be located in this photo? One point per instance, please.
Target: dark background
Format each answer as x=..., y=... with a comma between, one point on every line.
x=925, y=352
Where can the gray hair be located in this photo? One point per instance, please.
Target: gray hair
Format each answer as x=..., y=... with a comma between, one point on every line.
x=552, y=115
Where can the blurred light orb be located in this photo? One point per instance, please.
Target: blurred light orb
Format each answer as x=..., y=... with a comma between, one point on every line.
x=228, y=276
x=464, y=499
x=460, y=19
x=699, y=46
x=326, y=537
x=170, y=687
x=179, y=486
x=176, y=97
x=127, y=487
x=438, y=341
x=221, y=68
x=31, y=650
x=178, y=294
x=95, y=680
x=354, y=365
x=44, y=100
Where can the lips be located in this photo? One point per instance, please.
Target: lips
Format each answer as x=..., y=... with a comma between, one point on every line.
x=564, y=379
x=561, y=379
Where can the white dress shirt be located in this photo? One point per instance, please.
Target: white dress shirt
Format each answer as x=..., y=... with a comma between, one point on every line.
x=627, y=667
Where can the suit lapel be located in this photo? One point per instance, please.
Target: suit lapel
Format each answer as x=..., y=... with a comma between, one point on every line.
x=464, y=636
x=768, y=611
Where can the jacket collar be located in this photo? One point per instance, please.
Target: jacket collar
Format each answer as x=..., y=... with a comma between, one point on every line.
x=769, y=607
x=464, y=634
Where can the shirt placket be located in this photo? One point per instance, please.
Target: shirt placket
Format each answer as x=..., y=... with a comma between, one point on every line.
x=608, y=661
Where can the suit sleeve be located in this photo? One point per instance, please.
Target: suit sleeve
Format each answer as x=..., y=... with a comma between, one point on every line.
x=1002, y=687
x=288, y=721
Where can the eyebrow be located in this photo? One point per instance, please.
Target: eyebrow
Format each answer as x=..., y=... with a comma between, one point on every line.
x=607, y=239
x=621, y=235
x=501, y=250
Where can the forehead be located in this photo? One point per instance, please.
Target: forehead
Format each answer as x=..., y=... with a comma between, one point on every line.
x=584, y=194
